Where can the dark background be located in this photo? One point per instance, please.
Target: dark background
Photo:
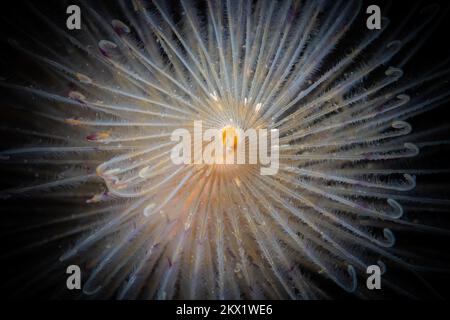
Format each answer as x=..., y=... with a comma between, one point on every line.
x=16, y=269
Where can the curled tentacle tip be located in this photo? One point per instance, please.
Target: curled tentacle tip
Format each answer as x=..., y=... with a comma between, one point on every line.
x=73, y=122
x=119, y=27
x=91, y=291
x=149, y=210
x=98, y=136
x=108, y=173
x=389, y=237
x=404, y=98
x=403, y=126
x=106, y=47
x=91, y=137
x=414, y=149
x=394, y=72
x=69, y=254
x=354, y=281
x=398, y=209
x=398, y=124
x=382, y=266
x=411, y=181
x=145, y=172
x=83, y=78
x=395, y=45
x=77, y=96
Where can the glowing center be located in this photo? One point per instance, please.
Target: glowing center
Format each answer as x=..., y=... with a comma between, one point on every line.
x=230, y=138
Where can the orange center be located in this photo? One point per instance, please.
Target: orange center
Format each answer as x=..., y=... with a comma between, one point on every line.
x=230, y=138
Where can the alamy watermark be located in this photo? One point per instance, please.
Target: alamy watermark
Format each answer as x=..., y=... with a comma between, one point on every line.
x=228, y=145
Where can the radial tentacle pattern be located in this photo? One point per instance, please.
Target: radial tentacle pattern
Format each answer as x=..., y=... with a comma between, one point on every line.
x=97, y=143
